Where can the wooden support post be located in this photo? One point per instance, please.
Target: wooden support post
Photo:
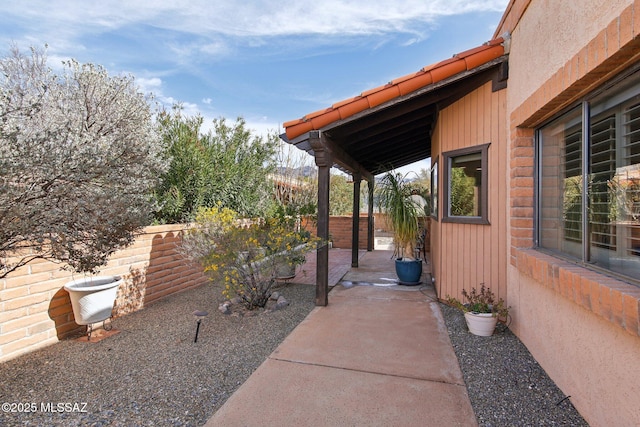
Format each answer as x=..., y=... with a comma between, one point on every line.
x=324, y=163
x=355, y=229
x=371, y=225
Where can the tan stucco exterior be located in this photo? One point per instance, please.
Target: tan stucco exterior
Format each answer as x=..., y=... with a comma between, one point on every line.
x=580, y=325
x=550, y=33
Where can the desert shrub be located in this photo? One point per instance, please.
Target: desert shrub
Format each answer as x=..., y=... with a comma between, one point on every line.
x=244, y=256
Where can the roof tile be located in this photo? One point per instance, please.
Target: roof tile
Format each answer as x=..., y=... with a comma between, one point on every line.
x=317, y=113
x=401, y=86
x=420, y=79
x=291, y=123
x=324, y=119
x=483, y=56
x=298, y=129
x=384, y=95
x=348, y=110
x=447, y=69
x=346, y=101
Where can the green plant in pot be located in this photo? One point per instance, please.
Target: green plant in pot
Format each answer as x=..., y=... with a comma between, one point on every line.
x=394, y=198
x=482, y=310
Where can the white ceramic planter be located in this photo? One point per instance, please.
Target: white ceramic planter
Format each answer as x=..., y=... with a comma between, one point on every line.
x=285, y=271
x=482, y=324
x=92, y=298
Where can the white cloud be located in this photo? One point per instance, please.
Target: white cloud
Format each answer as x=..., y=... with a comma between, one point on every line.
x=66, y=20
x=153, y=84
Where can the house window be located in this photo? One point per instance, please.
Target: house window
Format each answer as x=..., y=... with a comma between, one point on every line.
x=434, y=190
x=588, y=173
x=465, y=185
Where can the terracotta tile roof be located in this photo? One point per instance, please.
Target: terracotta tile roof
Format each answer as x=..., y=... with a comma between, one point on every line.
x=401, y=86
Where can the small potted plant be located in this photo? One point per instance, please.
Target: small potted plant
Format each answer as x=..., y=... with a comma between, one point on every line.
x=481, y=310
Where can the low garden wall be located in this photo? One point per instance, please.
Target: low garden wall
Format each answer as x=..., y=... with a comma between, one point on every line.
x=35, y=310
x=340, y=231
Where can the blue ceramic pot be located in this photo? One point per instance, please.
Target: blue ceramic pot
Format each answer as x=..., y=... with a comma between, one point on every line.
x=409, y=272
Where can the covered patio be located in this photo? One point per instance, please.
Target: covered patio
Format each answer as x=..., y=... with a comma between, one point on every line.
x=386, y=128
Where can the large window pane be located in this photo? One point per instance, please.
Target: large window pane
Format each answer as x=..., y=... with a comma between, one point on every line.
x=620, y=249
x=561, y=185
x=604, y=229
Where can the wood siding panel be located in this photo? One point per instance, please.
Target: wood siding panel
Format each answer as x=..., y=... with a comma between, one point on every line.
x=466, y=255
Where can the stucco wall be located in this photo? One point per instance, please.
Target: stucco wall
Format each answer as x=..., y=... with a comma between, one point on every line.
x=583, y=327
x=589, y=358
x=551, y=32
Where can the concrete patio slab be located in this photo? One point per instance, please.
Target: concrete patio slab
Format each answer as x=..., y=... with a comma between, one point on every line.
x=281, y=393
x=379, y=330
x=376, y=355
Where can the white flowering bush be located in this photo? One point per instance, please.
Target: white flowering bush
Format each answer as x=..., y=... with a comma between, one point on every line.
x=79, y=153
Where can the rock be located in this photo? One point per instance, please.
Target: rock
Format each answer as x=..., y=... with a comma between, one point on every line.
x=236, y=300
x=281, y=303
x=274, y=296
x=225, y=308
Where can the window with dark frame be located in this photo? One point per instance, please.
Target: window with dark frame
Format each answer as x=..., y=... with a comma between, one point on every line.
x=588, y=174
x=434, y=190
x=465, y=185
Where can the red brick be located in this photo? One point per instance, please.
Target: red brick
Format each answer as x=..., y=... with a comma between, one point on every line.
x=625, y=26
x=636, y=18
x=605, y=302
x=585, y=292
x=594, y=297
x=617, y=311
x=612, y=37
x=565, y=283
x=598, y=50
x=631, y=310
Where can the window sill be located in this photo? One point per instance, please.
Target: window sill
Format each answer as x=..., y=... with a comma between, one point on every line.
x=614, y=300
x=466, y=220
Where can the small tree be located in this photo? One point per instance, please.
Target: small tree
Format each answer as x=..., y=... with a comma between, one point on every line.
x=341, y=195
x=78, y=156
x=227, y=165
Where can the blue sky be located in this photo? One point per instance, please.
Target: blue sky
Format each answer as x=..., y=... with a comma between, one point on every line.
x=265, y=60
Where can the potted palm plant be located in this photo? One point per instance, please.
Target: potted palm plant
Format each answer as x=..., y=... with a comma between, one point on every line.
x=481, y=310
x=394, y=198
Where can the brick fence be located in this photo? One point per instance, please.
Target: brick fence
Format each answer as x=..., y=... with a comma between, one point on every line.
x=35, y=310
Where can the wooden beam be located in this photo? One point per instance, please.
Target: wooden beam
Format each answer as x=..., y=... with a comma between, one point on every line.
x=371, y=225
x=355, y=229
x=324, y=162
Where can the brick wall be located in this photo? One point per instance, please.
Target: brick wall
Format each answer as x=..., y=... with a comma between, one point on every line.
x=35, y=310
x=340, y=230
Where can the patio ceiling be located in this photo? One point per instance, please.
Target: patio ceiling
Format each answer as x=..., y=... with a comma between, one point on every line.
x=391, y=126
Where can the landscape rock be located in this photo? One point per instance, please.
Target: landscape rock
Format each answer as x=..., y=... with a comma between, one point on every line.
x=281, y=303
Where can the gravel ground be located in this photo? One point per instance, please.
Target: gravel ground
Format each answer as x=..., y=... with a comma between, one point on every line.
x=153, y=374
x=506, y=385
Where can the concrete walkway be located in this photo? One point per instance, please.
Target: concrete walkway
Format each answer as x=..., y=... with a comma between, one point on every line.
x=377, y=355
